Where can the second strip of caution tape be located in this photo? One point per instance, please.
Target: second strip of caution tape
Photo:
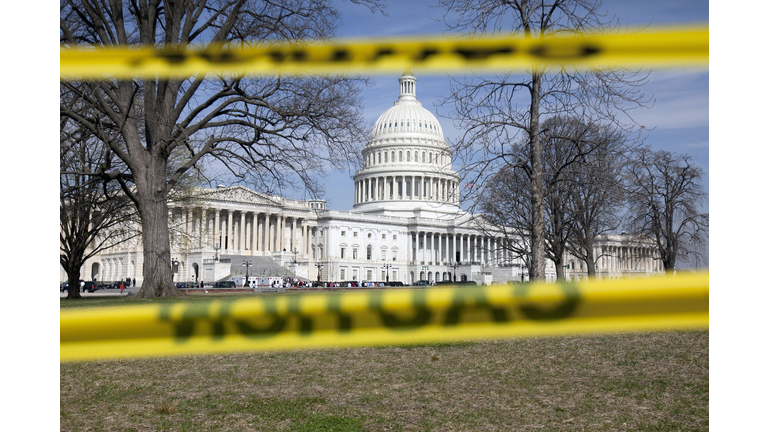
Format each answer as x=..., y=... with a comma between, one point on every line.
x=384, y=317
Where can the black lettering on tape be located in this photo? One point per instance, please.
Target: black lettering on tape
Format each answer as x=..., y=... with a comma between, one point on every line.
x=344, y=320
x=559, y=53
x=426, y=53
x=277, y=56
x=382, y=52
x=562, y=310
x=482, y=53
x=340, y=54
x=222, y=57
x=479, y=301
x=305, y=323
x=171, y=57
x=393, y=321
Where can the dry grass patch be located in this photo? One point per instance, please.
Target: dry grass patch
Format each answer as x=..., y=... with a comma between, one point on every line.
x=647, y=381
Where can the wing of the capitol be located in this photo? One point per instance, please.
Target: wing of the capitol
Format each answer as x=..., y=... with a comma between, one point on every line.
x=406, y=225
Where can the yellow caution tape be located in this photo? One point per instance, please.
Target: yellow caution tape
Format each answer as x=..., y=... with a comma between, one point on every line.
x=673, y=47
x=356, y=318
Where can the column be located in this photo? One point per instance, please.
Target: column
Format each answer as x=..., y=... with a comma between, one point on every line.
x=241, y=238
x=217, y=228
x=247, y=244
x=229, y=230
x=303, y=248
x=268, y=232
x=281, y=233
x=293, y=233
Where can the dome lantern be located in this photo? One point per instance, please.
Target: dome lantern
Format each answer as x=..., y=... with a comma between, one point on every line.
x=407, y=85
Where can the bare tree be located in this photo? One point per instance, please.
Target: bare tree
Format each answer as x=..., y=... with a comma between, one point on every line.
x=274, y=132
x=570, y=147
x=596, y=191
x=93, y=215
x=495, y=112
x=664, y=193
x=506, y=212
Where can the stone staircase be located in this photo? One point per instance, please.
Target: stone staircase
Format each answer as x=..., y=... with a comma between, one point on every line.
x=262, y=266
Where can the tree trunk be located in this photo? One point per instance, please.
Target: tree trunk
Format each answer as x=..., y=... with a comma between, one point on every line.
x=538, y=247
x=559, y=271
x=153, y=211
x=73, y=278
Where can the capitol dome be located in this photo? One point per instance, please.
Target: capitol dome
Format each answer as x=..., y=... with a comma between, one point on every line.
x=407, y=163
x=407, y=116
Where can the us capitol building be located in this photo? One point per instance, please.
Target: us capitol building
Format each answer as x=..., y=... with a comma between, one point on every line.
x=406, y=225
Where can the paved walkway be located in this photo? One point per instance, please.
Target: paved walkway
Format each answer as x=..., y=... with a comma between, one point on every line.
x=105, y=292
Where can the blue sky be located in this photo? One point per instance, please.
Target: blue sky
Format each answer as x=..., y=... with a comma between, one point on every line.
x=678, y=121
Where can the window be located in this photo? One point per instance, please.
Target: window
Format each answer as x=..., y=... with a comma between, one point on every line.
x=386, y=157
x=343, y=274
x=369, y=274
x=400, y=156
x=369, y=252
x=408, y=156
x=370, y=235
x=394, y=255
x=343, y=233
x=383, y=275
x=383, y=254
x=354, y=274
x=354, y=253
x=354, y=233
x=394, y=236
x=394, y=274
x=379, y=157
x=342, y=252
x=383, y=236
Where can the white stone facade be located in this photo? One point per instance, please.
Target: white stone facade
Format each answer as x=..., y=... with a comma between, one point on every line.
x=406, y=224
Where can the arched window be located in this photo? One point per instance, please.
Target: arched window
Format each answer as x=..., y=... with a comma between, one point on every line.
x=369, y=252
x=408, y=155
x=416, y=156
x=400, y=156
x=423, y=156
x=386, y=157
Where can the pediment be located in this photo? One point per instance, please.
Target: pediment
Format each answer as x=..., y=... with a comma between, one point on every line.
x=240, y=195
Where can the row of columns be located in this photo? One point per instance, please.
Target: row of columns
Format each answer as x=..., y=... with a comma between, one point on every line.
x=391, y=188
x=245, y=230
x=372, y=159
x=442, y=247
x=638, y=258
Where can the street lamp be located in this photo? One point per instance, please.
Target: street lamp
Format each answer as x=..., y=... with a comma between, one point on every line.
x=246, y=264
x=174, y=268
x=454, y=266
x=425, y=269
x=387, y=266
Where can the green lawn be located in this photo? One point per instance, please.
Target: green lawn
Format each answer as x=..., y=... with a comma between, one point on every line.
x=645, y=381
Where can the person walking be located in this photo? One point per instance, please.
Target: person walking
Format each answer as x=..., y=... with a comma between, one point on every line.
x=122, y=287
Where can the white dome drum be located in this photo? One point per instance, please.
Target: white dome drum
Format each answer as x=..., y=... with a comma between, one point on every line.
x=406, y=162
